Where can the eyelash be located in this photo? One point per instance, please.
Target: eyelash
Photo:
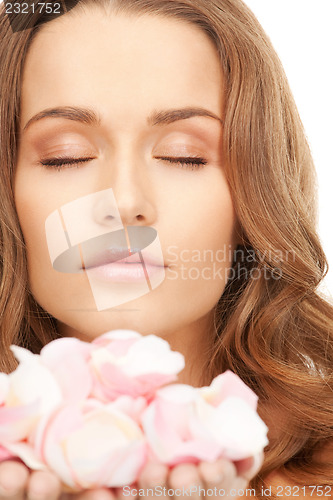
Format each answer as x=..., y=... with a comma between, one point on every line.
x=59, y=163
x=190, y=162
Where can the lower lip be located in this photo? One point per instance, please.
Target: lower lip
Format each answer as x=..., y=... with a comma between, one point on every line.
x=124, y=272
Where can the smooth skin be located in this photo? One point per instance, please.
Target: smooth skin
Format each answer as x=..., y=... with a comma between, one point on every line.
x=124, y=69
x=17, y=483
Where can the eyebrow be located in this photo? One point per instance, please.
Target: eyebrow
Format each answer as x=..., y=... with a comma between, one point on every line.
x=173, y=115
x=89, y=117
x=82, y=115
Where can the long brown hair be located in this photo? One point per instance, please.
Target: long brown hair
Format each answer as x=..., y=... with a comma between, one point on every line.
x=276, y=333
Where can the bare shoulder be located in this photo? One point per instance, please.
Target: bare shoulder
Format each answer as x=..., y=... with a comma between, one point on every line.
x=281, y=486
x=284, y=488
x=276, y=479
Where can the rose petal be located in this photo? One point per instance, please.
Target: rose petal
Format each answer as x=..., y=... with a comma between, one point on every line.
x=17, y=422
x=125, y=362
x=152, y=354
x=104, y=340
x=31, y=381
x=67, y=358
x=5, y=454
x=26, y=453
x=228, y=384
x=87, y=444
x=238, y=428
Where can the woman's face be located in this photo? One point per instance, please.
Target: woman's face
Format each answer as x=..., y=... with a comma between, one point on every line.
x=135, y=76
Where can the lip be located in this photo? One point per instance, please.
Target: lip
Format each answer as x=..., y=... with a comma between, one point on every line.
x=117, y=266
x=123, y=256
x=123, y=272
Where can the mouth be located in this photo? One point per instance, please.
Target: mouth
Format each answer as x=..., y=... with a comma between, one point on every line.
x=115, y=254
x=113, y=266
x=122, y=257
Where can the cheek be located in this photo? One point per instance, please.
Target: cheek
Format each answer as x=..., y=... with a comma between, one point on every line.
x=200, y=248
x=208, y=218
x=219, y=224
x=47, y=286
x=220, y=234
x=32, y=209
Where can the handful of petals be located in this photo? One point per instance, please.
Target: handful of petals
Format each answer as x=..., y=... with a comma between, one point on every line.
x=95, y=413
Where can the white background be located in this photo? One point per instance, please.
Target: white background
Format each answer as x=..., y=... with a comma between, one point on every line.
x=301, y=32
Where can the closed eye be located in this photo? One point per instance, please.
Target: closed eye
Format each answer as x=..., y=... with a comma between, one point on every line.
x=192, y=162
x=62, y=162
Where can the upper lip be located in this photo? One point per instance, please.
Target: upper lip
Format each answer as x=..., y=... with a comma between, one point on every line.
x=111, y=255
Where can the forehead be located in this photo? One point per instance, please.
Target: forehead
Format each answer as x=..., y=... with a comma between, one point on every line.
x=120, y=63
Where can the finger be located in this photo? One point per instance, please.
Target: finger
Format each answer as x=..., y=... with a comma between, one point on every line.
x=127, y=492
x=153, y=480
x=185, y=480
x=13, y=480
x=219, y=476
x=95, y=494
x=250, y=467
x=238, y=488
x=43, y=485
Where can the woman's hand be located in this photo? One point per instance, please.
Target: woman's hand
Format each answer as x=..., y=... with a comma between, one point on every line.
x=220, y=475
x=18, y=483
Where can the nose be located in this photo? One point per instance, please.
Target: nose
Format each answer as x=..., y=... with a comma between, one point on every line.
x=132, y=196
